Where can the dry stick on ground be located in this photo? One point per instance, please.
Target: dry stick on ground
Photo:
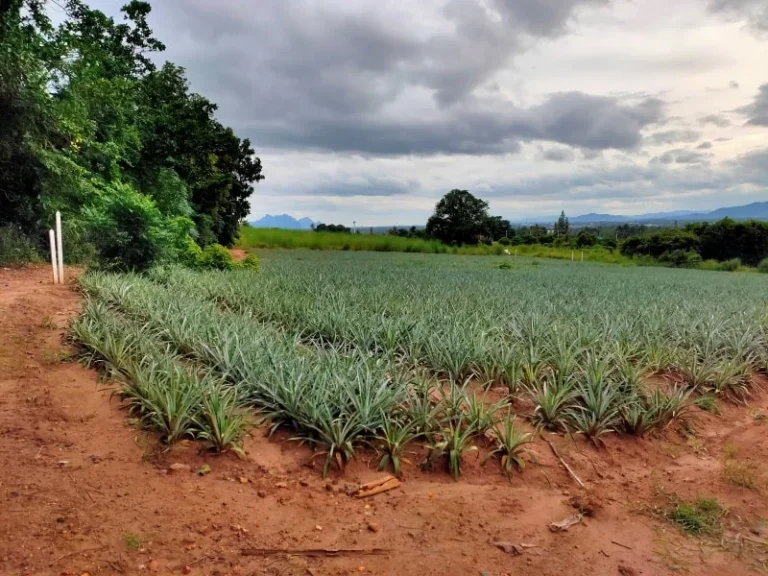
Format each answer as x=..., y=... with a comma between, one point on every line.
x=315, y=552
x=564, y=463
x=76, y=554
x=622, y=545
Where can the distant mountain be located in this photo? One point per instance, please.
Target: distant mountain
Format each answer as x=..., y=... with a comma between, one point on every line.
x=588, y=218
x=754, y=211
x=282, y=221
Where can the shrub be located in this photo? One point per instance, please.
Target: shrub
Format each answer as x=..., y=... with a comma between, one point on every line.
x=680, y=259
x=16, y=248
x=127, y=229
x=250, y=262
x=730, y=265
x=217, y=257
x=504, y=241
x=763, y=266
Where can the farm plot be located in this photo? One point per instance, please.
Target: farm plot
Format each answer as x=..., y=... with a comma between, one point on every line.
x=388, y=349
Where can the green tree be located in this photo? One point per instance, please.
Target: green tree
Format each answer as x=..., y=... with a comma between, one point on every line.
x=562, y=226
x=459, y=218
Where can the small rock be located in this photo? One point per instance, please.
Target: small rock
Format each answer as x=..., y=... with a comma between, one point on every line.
x=203, y=470
x=179, y=467
x=304, y=483
x=187, y=570
x=243, y=480
x=372, y=526
x=510, y=548
x=281, y=485
x=319, y=528
x=261, y=494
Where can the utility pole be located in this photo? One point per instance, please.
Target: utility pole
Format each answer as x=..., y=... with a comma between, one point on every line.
x=354, y=226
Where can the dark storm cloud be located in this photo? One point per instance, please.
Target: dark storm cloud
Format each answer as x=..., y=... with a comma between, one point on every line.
x=558, y=154
x=488, y=126
x=755, y=12
x=682, y=156
x=757, y=111
x=673, y=136
x=717, y=119
x=344, y=77
x=363, y=186
x=635, y=182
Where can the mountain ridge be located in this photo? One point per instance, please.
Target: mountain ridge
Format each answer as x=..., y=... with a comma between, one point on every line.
x=754, y=210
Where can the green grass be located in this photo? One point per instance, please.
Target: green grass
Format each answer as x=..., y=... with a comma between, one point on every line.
x=254, y=238
x=701, y=517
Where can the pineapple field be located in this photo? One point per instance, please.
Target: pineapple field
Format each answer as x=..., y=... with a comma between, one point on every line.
x=360, y=351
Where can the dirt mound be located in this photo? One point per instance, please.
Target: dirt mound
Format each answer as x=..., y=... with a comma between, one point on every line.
x=83, y=490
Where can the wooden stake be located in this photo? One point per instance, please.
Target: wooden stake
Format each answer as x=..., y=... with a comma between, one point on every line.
x=52, y=239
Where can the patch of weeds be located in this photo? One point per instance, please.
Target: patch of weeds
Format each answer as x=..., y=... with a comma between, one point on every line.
x=739, y=474
x=701, y=517
x=758, y=415
x=48, y=323
x=729, y=451
x=506, y=266
x=55, y=356
x=132, y=541
x=708, y=403
x=697, y=445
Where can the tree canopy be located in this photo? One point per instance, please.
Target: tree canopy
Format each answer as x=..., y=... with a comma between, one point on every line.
x=91, y=127
x=461, y=218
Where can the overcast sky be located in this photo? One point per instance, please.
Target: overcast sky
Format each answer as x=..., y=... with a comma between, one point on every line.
x=370, y=110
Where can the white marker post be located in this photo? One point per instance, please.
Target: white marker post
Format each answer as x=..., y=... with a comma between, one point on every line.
x=582, y=255
x=52, y=238
x=59, y=247
x=572, y=256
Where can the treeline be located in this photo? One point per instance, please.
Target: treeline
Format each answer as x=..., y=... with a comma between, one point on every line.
x=727, y=241
x=461, y=219
x=138, y=165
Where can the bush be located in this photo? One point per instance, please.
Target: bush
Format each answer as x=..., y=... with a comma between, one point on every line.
x=680, y=259
x=504, y=241
x=763, y=266
x=16, y=248
x=730, y=265
x=127, y=229
x=250, y=262
x=217, y=257
x=585, y=239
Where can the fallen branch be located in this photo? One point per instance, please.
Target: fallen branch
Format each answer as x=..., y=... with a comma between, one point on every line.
x=622, y=545
x=76, y=554
x=564, y=463
x=314, y=552
x=377, y=487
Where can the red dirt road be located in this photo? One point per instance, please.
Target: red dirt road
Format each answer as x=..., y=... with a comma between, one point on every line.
x=82, y=490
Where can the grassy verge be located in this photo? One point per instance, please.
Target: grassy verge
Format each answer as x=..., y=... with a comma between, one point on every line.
x=251, y=238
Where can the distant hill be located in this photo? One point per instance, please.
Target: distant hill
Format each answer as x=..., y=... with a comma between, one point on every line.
x=282, y=221
x=754, y=211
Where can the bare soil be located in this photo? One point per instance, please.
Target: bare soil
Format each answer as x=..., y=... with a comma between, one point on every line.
x=84, y=491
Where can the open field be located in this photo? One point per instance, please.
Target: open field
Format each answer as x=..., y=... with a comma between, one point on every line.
x=256, y=238
x=647, y=381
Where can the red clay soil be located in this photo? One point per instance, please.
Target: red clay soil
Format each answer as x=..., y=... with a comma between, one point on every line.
x=83, y=491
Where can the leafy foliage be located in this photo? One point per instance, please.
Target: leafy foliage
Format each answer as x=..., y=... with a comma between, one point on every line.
x=90, y=127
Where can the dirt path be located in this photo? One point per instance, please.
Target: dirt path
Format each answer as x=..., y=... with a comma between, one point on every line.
x=82, y=490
